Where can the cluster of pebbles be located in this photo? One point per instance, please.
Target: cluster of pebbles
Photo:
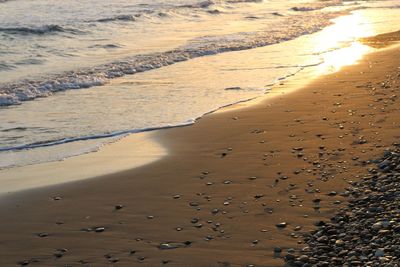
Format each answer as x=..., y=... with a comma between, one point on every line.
x=367, y=231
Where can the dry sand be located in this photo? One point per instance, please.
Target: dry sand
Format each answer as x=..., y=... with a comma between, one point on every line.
x=227, y=181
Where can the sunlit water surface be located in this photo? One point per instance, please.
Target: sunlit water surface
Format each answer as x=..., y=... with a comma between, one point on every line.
x=69, y=122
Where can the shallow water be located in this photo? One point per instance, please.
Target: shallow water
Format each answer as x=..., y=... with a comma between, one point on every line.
x=174, y=49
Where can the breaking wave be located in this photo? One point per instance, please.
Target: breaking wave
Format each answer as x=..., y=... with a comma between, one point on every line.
x=46, y=29
x=118, y=18
x=15, y=93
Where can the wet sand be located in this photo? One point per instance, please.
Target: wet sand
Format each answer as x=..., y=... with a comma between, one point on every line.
x=125, y=154
x=228, y=181
x=382, y=40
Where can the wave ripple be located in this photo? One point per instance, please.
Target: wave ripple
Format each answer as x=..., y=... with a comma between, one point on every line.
x=46, y=29
x=15, y=93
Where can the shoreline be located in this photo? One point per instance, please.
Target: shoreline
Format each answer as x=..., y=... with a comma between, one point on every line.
x=227, y=181
x=324, y=59
x=125, y=154
x=292, y=84
x=154, y=149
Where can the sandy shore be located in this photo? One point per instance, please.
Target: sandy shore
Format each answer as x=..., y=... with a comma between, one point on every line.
x=125, y=154
x=227, y=181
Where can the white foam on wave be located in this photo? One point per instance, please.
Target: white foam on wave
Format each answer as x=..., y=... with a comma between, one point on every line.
x=295, y=26
x=78, y=128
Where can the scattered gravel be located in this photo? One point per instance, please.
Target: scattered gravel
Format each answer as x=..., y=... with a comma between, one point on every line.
x=367, y=231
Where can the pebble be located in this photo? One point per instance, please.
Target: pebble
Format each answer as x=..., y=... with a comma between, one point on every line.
x=118, y=207
x=24, y=263
x=379, y=253
x=366, y=231
x=43, y=234
x=281, y=225
x=168, y=246
x=99, y=229
x=60, y=252
x=214, y=211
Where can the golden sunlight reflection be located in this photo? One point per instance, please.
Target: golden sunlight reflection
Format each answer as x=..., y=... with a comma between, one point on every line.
x=333, y=43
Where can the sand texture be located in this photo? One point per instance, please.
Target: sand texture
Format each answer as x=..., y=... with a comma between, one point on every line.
x=228, y=180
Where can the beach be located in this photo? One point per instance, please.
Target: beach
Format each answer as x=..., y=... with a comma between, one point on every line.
x=233, y=187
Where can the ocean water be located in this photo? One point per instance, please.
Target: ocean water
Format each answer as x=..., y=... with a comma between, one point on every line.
x=75, y=75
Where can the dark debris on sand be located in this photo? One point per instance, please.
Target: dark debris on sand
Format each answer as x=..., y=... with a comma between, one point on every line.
x=367, y=231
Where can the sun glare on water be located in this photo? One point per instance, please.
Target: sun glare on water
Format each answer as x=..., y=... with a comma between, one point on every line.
x=339, y=45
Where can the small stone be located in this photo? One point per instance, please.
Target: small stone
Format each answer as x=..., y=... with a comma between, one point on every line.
x=297, y=228
x=291, y=250
x=164, y=246
x=118, y=207
x=209, y=238
x=379, y=253
x=43, y=234
x=281, y=225
x=304, y=258
x=24, y=263
x=60, y=252
x=339, y=243
x=214, y=211
x=114, y=260
x=187, y=243
x=377, y=226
